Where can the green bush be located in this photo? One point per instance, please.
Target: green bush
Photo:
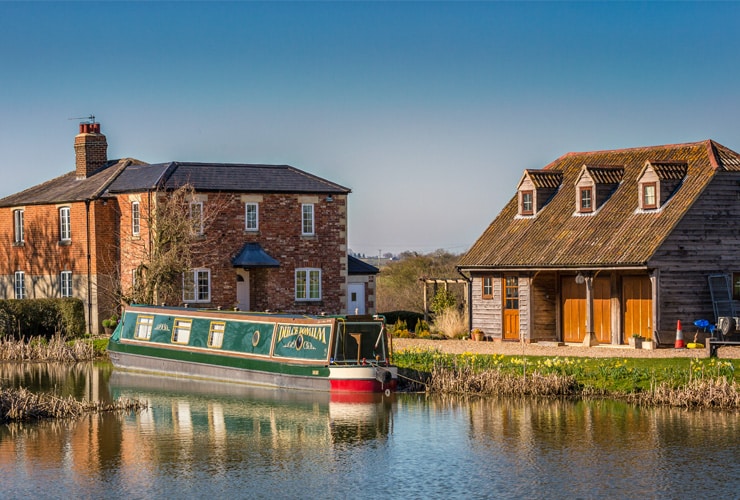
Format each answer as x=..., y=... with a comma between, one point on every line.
x=42, y=318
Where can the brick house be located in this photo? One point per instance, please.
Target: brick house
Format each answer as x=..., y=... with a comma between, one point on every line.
x=599, y=246
x=278, y=237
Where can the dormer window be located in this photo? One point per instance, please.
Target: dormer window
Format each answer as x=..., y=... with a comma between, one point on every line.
x=649, y=200
x=595, y=185
x=527, y=202
x=586, y=197
x=536, y=189
x=658, y=181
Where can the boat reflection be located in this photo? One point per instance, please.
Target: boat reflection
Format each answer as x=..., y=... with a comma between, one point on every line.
x=184, y=407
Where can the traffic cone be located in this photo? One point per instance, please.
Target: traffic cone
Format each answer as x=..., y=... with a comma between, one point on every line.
x=679, y=336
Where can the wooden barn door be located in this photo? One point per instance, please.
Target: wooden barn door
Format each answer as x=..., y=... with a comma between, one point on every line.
x=603, y=310
x=638, y=306
x=574, y=309
x=511, y=308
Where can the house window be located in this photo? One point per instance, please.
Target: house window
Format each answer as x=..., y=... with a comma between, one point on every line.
x=196, y=217
x=144, y=327
x=251, y=216
x=736, y=286
x=216, y=334
x=308, y=284
x=65, y=227
x=527, y=200
x=19, y=285
x=181, y=330
x=586, y=197
x=65, y=283
x=487, y=287
x=307, y=221
x=135, y=218
x=18, y=226
x=511, y=292
x=649, y=199
x=196, y=286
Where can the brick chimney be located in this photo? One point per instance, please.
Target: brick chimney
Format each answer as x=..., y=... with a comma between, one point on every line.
x=91, y=150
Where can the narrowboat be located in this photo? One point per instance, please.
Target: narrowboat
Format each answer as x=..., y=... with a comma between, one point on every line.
x=320, y=353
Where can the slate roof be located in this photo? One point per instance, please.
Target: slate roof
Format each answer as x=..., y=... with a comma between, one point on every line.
x=357, y=266
x=253, y=255
x=68, y=188
x=617, y=234
x=224, y=177
x=130, y=175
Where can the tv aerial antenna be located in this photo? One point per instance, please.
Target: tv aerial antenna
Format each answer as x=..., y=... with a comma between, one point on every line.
x=90, y=119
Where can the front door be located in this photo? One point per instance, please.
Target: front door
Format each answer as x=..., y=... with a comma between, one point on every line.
x=511, y=308
x=356, y=298
x=242, y=290
x=638, y=306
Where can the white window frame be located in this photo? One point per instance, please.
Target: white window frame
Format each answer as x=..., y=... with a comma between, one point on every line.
x=307, y=284
x=197, y=225
x=19, y=284
x=135, y=218
x=251, y=223
x=194, y=283
x=65, y=284
x=308, y=219
x=65, y=224
x=18, y=233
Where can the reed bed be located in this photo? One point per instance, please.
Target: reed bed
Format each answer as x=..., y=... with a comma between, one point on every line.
x=466, y=380
x=22, y=405
x=718, y=393
x=40, y=349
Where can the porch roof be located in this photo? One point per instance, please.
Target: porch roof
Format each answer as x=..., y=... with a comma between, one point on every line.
x=253, y=255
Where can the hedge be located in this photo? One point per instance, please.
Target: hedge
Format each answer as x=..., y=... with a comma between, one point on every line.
x=42, y=318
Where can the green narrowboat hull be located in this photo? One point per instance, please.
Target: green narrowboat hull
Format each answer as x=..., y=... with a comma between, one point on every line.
x=287, y=351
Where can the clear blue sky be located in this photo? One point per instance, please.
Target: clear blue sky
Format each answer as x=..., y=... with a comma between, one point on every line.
x=429, y=112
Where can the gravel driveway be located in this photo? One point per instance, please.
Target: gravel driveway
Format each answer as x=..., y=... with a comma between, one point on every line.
x=552, y=350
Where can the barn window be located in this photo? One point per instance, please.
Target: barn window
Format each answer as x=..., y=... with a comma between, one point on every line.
x=487, y=287
x=585, y=194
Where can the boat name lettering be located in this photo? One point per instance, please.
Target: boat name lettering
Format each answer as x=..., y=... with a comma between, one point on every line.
x=162, y=327
x=315, y=332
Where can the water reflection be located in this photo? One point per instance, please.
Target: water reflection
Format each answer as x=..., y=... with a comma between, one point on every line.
x=199, y=439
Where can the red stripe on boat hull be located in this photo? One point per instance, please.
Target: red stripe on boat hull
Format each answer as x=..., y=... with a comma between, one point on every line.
x=365, y=385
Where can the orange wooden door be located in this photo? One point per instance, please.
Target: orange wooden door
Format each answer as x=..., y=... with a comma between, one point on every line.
x=511, y=308
x=638, y=306
x=602, y=310
x=574, y=309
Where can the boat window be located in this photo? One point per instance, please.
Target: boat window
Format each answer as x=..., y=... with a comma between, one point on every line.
x=144, y=327
x=181, y=331
x=216, y=334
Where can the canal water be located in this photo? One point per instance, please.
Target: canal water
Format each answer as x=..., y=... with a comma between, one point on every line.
x=200, y=439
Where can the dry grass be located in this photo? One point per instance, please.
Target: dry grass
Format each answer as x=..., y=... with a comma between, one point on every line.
x=699, y=393
x=40, y=349
x=451, y=323
x=466, y=380
x=21, y=404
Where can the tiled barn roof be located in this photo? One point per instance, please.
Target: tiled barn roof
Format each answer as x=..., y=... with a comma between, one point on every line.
x=617, y=234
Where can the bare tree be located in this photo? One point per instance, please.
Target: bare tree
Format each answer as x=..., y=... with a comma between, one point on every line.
x=171, y=242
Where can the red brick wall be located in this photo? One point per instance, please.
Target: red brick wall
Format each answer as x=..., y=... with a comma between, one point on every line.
x=280, y=236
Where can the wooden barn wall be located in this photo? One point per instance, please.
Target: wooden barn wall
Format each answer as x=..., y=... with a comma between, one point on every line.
x=706, y=241
x=487, y=313
x=525, y=311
